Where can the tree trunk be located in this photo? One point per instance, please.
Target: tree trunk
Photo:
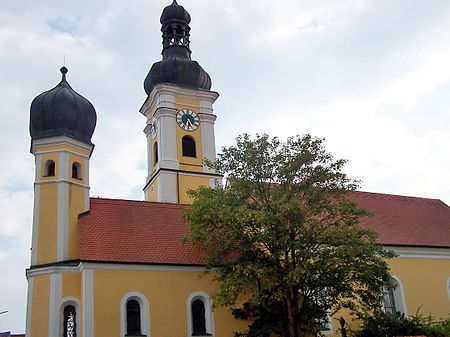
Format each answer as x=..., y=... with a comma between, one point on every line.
x=290, y=311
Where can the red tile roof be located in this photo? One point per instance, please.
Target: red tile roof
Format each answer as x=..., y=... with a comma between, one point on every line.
x=149, y=232
x=408, y=221
x=135, y=231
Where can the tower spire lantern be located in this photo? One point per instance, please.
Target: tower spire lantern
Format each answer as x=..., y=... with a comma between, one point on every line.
x=176, y=66
x=175, y=31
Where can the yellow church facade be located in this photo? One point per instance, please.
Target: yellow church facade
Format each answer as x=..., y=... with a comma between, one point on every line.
x=113, y=268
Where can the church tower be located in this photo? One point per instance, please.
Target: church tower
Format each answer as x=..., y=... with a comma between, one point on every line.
x=180, y=119
x=61, y=126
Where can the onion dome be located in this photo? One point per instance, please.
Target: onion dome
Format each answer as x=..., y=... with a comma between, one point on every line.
x=174, y=13
x=176, y=67
x=62, y=111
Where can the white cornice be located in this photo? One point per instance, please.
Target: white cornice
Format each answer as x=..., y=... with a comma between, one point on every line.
x=171, y=90
x=44, y=182
x=146, y=267
x=420, y=252
x=208, y=118
x=59, y=140
x=63, y=151
x=164, y=111
x=52, y=270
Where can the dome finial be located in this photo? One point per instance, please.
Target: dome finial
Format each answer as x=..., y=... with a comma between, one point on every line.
x=62, y=111
x=63, y=71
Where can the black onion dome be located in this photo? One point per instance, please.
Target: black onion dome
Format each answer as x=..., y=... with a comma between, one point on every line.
x=176, y=67
x=182, y=72
x=62, y=111
x=175, y=12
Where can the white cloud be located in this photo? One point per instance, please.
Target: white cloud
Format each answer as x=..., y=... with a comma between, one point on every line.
x=286, y=20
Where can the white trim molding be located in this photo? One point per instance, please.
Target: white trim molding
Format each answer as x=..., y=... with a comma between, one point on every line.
x=51, y=270
x=62, y=227
x=35, y=230
x=420, y=252
x=209, y=316
x=53, y=305
x=88, y=303
x=144, y=311
x=448, y=288
x=43, y=182
x=60, y=140
x=29, y=307
x=121, y=266
x=164, y=95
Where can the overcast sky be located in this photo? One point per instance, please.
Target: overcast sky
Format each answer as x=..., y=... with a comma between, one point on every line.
x=372, y=77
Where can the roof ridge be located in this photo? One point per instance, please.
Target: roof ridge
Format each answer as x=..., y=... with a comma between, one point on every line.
x=142, y=202
x=397, y=196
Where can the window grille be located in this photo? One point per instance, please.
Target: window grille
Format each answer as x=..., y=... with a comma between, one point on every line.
x=389, y=302
x=70, y=322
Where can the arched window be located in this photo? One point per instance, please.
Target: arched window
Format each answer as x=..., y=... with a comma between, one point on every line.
x=70, y=321
x=155, y=153
x=188, y=145
x=49, y=170
x=200, y=317
x=76, y=170
x=448, y=288
x=133, y=318
x=393, y=298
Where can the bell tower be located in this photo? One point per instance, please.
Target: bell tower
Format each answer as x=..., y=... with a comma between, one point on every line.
x=61, y=126
x=180, y=118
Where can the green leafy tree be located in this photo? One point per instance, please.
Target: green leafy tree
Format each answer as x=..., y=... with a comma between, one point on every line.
x=283, y=239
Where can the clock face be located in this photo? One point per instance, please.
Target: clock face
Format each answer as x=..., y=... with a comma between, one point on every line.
x=188, y=120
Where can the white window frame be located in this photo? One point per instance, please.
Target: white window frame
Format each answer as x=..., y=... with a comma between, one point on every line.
x=63, y=303
x=144, y=309
x=328, y=327
x=209, y=316
x=448, y=288
x=399, y=296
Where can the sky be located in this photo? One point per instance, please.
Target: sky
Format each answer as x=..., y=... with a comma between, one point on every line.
x=370, y=76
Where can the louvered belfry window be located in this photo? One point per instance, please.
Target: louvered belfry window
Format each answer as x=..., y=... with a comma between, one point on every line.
x=70, y=321
x=188, y=146
x=49, y=168
x=133, y=318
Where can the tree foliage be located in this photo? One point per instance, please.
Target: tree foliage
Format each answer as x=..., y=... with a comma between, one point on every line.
x=282, y=237
x=383, y=324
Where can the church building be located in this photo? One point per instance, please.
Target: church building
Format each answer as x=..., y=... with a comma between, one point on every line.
x=113, y=268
